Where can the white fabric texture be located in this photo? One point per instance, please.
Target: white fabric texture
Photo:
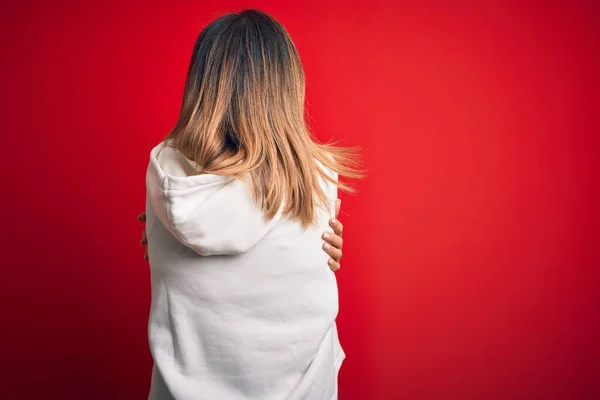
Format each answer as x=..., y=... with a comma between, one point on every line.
x=242, y=308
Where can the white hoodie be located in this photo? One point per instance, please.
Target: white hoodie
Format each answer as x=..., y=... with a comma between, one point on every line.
x=242, y=308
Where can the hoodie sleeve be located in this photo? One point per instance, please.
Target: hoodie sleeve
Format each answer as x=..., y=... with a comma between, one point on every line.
x=333, y=191
x=330, y=188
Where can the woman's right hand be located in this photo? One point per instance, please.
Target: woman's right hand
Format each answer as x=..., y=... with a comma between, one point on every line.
x=332, y=246
x=144, y=241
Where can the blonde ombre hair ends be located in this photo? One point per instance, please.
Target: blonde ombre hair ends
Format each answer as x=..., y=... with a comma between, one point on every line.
x=243, y=116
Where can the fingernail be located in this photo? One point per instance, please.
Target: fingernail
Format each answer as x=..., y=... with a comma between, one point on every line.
x=330, y=261
x=333, y=221
x=326, y=235
x=326, y=246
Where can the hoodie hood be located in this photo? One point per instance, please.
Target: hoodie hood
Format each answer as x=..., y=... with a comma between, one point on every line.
x=211, y=214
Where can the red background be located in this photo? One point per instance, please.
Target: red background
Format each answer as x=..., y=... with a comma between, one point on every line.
x=471, y=266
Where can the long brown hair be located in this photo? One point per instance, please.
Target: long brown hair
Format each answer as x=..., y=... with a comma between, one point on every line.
x=243, y=115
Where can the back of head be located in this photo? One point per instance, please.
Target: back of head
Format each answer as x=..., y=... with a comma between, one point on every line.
x=243, y=115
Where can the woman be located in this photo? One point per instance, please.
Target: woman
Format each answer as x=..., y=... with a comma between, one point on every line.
x=237, y=197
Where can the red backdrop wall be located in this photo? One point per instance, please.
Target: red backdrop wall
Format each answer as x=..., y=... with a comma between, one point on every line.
x=472, y=251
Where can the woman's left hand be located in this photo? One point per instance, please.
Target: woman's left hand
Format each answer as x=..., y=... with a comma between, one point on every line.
x=332, y=246
x=333, y=241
